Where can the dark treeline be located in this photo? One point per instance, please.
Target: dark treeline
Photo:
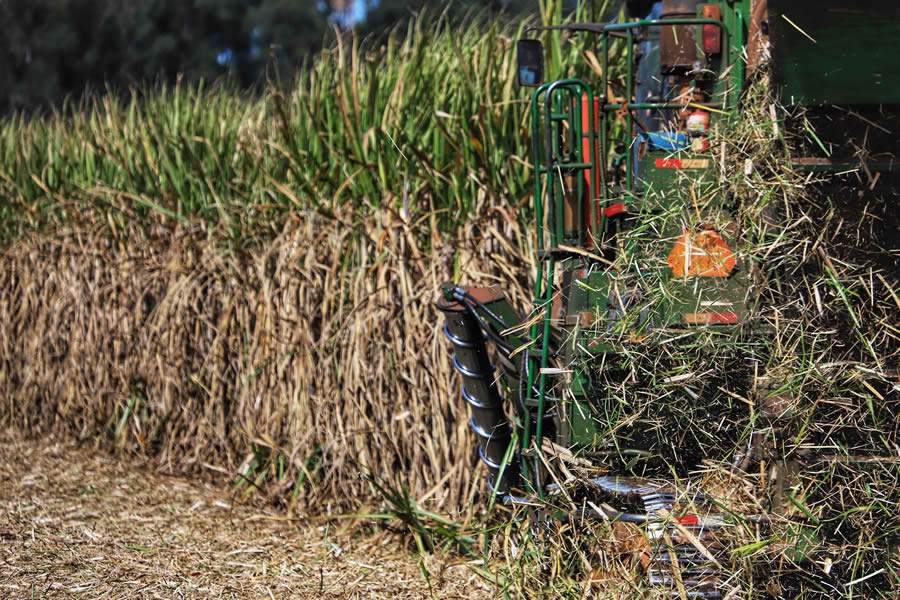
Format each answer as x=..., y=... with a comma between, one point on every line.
x=56, y=49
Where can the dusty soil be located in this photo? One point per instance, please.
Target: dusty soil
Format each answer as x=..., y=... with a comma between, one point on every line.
x=78, y=523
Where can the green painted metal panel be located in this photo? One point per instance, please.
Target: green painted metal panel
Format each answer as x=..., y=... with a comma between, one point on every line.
x=836, y=51
x=577, y=406
x=666, y=188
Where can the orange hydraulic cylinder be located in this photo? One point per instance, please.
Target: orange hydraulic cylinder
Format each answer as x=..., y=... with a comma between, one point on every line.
x=591, y=176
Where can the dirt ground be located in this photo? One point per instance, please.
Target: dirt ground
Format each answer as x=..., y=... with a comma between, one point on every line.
x=77, y=523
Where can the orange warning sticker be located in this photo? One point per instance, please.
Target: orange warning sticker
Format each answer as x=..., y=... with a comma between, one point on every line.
x=702, y=254
x=678, y=163
x=713, y=318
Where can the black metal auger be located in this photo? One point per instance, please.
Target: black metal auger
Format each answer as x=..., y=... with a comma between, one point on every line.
x=479, y=390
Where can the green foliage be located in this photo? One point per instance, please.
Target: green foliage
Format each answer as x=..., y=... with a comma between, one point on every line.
x=388, y=14
x=434, y=121
x=428, y=119
x=62, y=48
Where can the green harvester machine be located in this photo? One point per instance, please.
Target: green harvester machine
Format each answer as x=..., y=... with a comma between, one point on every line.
x=603, y=165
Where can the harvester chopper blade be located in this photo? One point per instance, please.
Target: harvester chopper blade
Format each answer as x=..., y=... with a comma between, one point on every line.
x=682, y=548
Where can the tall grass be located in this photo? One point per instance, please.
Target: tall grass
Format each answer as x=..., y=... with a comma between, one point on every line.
x=430, y=119
x=433, y=117
x=296, y=365
x=205, y=276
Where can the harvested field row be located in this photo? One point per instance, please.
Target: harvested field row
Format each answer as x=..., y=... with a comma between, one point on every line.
x=79, y=524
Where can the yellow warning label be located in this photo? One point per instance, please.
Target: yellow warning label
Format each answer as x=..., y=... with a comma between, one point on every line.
x=695, y=163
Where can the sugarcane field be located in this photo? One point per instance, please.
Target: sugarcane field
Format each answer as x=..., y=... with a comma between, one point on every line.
x=474, y=299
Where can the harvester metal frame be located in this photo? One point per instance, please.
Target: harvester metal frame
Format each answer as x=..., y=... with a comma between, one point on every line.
x=576, y=198
x=572, y=101
x=573, y=203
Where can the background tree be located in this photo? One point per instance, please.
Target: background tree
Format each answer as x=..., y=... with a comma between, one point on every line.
x=54, y=49
x=50, y=48
x=288, y=31
x=382, y=15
